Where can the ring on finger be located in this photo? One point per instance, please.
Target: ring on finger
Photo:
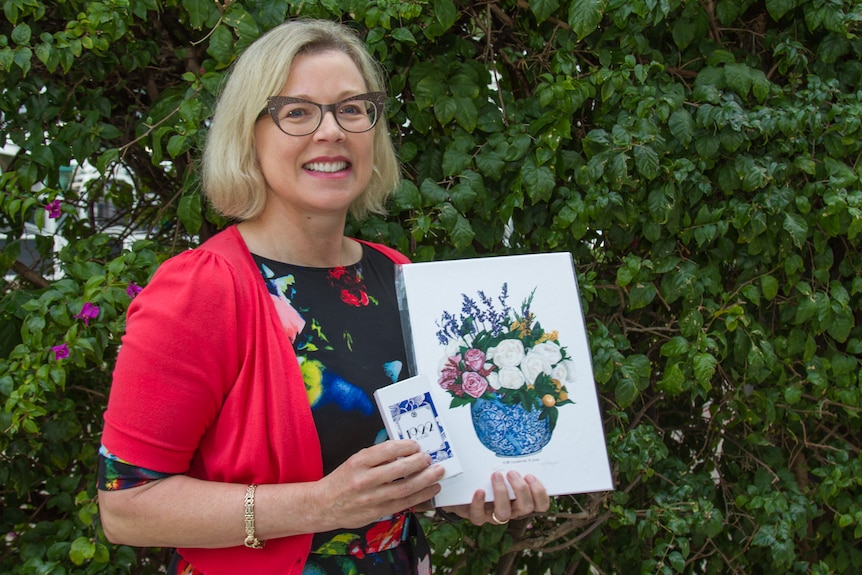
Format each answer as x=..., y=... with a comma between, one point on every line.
x=497, y=521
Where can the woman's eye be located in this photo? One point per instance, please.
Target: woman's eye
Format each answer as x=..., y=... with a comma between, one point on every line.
x=352, y=109
x=293, y=112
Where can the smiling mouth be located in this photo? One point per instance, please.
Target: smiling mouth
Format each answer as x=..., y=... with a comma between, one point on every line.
x=326, y=167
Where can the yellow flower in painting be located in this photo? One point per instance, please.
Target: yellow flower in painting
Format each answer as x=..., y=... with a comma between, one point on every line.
x=522, y=326
x=549, y=336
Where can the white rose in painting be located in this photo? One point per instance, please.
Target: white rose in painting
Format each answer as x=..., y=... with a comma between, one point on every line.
x=508, y=353
x=508, y=378
x=533, y=366
x=571, y=371
x=560, y=373
x=549, y=350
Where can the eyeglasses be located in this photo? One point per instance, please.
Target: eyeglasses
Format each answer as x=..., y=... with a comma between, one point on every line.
x=298, y=117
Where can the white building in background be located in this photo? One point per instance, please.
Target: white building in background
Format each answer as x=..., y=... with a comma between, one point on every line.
x=73, y=178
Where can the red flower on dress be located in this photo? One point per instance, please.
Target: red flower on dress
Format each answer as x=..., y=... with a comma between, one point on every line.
x=350, y=285
x=385, y=535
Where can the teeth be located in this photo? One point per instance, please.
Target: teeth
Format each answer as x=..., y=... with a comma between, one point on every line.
x=328, y=167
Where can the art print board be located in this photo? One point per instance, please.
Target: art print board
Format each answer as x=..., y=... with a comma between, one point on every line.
x=502, y=343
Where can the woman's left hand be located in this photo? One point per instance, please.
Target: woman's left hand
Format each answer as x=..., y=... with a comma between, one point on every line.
x=530, y=497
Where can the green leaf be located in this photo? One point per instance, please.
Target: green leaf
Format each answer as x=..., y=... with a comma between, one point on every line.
x=177, y=145
x=432, y=192
x=458, y=227
x=518, y=147
x=407, y=196
x=704, y=365
x=805, y=310
x=404, y=35
x=683, y=33
x=585, y=16
x=463, y=195
x=841, y=325
x=465, y=84
x=466, y=114
x=738, y=77
x=189, y=212
x=769, y=287
x=199, y=12
x=445, y=109
x=543, y=8
x=446, y=13
x=490, y=163
x=539, y=182
x=21, y=34
x=221, y=45
x=681, y=125
x=646, y=161
x=797, y=227
x=81, y=550
x=673, y=380
x=625, y=393
x=22, y=59
x=778, y=8
x=641, y=295
x=792, y=395
x=676, y=346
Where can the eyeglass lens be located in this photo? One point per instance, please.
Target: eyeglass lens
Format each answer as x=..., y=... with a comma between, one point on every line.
x=302, y=118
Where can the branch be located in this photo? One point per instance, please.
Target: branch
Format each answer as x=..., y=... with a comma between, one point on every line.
x=34, y=278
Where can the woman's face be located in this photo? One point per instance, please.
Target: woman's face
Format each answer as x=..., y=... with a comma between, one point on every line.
x=322, y=173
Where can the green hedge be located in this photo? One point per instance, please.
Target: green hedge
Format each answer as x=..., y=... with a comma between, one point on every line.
x=700, y=160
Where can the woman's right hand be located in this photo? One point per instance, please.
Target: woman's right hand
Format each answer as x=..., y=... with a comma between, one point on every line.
x=375, y=482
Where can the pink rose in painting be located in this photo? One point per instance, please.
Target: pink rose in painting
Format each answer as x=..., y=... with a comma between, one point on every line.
x=474, y=359
x=474, y=384
x=447, y=378
x=449, y=372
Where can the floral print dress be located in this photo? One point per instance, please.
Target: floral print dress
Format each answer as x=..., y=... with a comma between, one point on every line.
x=349, y=345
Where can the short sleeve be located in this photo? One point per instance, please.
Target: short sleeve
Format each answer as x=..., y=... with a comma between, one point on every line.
x=178, y=359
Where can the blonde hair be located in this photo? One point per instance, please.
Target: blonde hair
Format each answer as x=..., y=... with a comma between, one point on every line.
x=232, y=179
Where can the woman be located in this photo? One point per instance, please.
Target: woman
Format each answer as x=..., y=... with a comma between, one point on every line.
x=240, y=427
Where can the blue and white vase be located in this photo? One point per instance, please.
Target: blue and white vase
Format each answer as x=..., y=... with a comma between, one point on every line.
x=510, y=430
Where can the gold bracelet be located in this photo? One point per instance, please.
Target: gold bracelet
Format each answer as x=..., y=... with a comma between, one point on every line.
x=250, y=539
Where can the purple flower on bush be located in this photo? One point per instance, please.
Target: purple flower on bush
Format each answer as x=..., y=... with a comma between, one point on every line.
x=53, y=209
x=60, y=351
x=88, y=312
x=133, y=290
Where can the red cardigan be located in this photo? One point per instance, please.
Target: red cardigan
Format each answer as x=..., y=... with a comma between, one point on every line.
x=207, y=384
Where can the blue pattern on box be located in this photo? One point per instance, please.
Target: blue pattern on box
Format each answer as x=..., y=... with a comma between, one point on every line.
x=413, y=406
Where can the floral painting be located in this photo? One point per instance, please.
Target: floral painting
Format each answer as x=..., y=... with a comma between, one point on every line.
x=502, y=345
x=510, y=371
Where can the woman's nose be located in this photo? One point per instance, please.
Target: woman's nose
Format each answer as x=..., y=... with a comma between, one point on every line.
x=329, y=128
